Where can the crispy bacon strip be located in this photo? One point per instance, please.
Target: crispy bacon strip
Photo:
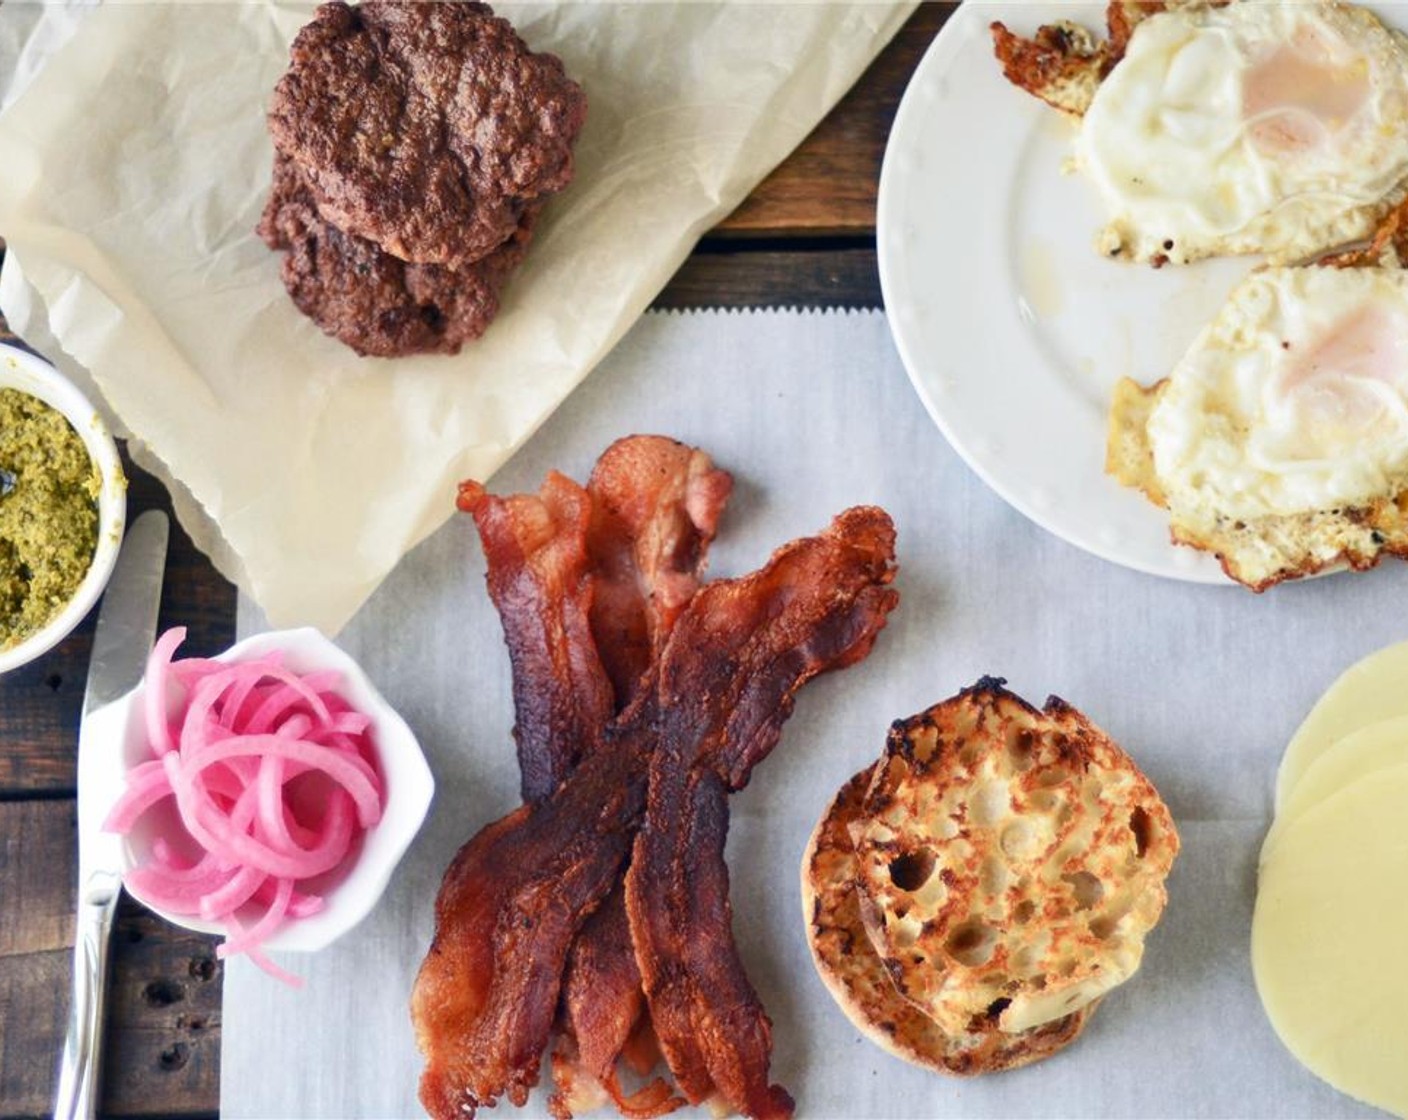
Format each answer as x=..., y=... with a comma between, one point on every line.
x=603, y=1007
x=656, y=504
x=818, y=605
x=517, y=893
x=539, y=577
x=508, y=908
x=587, y=584
x=655, y=509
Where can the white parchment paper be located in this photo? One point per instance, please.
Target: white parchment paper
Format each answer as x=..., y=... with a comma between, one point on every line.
x=29, y=33
x=135, y=166
x=812, y=412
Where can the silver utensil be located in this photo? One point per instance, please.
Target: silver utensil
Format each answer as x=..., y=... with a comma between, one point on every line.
x=126, y=629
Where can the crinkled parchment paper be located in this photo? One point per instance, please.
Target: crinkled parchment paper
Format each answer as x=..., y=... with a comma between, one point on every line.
x=135, y=166
x=29, y=33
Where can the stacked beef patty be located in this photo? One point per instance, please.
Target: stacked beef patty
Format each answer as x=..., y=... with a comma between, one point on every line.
x=415, y=144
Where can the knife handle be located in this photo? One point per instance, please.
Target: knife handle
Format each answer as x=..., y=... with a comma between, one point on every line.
x=77, y=1096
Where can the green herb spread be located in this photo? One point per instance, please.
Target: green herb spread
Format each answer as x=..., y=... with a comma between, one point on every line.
x=48, y=514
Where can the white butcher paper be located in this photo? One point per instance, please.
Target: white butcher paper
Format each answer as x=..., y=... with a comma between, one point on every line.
x=135, y=165
x=1203, y=685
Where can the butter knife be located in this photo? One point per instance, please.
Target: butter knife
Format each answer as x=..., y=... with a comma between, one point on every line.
x=123, y=638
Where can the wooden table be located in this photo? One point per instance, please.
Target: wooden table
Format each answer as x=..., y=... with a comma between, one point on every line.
x=804, y=238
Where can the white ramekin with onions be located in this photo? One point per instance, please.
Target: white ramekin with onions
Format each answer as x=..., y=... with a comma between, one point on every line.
x=266, y=794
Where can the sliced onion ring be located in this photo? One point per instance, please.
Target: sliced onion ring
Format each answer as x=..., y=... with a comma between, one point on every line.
x=228, y=742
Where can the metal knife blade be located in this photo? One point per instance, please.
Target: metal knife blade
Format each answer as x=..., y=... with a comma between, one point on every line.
x=127, y=619
x=123, y=639
x=121, y=642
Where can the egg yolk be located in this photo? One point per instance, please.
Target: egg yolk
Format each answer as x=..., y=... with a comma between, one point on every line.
x=1348, y=387
x=1300, y=95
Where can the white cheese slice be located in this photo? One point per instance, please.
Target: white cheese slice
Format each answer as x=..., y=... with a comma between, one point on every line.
x=1327, y=938
x=1372, y=690
x=1359, y=754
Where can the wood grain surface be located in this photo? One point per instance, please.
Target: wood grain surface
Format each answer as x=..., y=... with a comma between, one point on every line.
x=805, y=238
x=829, y=184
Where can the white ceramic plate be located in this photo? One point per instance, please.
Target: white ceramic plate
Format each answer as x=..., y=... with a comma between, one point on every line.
x=1013, y=328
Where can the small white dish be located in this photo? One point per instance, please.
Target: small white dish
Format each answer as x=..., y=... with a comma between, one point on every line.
x=19, y=369
x=1013, y=329
x=349, y=892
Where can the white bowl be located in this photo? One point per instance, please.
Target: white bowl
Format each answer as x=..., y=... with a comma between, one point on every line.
x=350, y=892
x=19, y=369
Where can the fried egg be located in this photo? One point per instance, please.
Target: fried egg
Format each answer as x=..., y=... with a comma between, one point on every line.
x=1258, y=127
x=1280, y=440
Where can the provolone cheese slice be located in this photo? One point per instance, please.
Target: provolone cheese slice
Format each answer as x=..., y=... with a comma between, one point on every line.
x=1372, y=690
x=1328, y=939
x=1359, y=754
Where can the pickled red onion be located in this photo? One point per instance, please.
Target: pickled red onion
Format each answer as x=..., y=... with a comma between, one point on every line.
x=157, y=695
x=227, y=742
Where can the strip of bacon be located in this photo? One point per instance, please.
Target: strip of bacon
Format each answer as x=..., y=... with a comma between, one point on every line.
x=656, y=504
x=586, y=583
x=539, y=577
x=655, y=509
x=603, y=1005
x=818, y=605
x=509, y=907
x=515, y=896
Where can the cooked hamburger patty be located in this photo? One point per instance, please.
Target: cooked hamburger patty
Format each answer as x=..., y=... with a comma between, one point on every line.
x=375, y=303
x=427, y=128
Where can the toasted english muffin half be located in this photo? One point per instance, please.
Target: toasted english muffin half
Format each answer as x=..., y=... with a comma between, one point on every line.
x=857, y=980
x=1010, y=861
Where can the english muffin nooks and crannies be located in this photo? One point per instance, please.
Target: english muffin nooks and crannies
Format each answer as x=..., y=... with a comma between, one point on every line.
x=1279, y=442
x=1218, y=129
x=416, y=144
x=1011, y=860
x=856, y=978
x=973, y=896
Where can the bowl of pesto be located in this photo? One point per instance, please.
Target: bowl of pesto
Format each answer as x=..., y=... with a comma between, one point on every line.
x=63, y=504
